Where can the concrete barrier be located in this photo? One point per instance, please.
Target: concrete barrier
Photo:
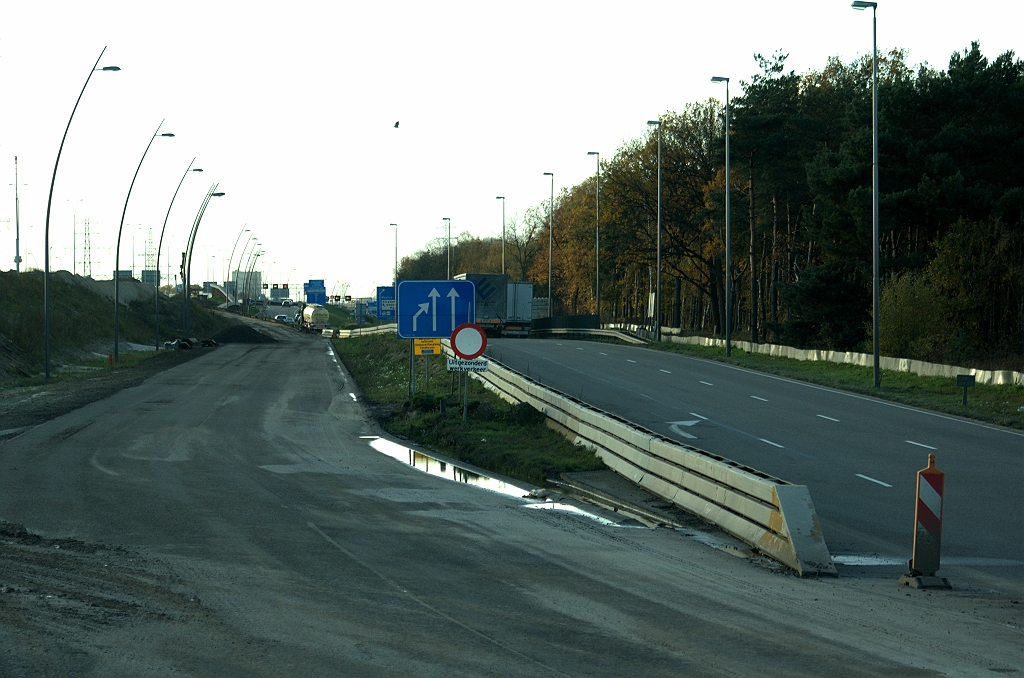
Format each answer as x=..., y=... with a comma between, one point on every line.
x=918, y=367
x=617, y=334
x=775, y=517
x=358, y=332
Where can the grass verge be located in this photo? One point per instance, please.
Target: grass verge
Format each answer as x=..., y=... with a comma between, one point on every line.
x=511, y=440
x=991, y=404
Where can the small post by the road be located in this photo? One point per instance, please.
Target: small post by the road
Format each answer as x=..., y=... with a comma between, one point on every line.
x=465, y=400
x=924, y=561
x=965, y=381
x=412, y=370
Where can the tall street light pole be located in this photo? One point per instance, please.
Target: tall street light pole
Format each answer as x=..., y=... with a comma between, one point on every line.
x=502, y=199
x=657, y=288
x=597, y=239
x=551, y=211
x=159, y=247
x=74, y=232
x=187, y=273
x=394, y=280
x=49, y=201
x=17, y=221
x=449, y=248
x=875, y=254
x=117, y=250
x=728, y=227
x=232, y=258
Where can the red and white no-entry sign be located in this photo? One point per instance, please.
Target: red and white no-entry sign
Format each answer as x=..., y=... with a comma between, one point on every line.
x=468, y=341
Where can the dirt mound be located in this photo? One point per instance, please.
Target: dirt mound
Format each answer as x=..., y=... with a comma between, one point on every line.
x=242, y=334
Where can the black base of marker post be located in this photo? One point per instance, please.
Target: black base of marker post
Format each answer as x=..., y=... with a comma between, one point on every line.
x=965, y=381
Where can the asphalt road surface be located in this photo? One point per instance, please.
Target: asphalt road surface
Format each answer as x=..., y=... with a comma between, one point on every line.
x=227, y=518
x=858, y=456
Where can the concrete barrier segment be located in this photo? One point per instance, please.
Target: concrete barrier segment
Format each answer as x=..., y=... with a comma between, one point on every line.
x=800, y=525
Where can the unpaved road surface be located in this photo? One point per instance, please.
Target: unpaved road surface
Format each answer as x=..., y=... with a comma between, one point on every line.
x=225, y=518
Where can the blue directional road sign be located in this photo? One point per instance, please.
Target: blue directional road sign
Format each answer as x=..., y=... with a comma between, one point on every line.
x=429, y=309
x=386, y=304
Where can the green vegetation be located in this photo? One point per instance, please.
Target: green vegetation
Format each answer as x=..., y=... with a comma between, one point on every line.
x=510, y=440
x=951, y=214
x=993, y=404
x=81, y=322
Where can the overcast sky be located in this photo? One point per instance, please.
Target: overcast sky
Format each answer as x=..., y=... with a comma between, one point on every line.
x=290, y=107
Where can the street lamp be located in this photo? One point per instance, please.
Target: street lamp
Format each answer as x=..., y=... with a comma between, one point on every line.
x=117, y=250
x=597, y=236
x=160, y=246
x=449, y=248
x=502, y=198
x=875, y=254
x=394, y=282
x=187, y=273
x=657, y=288
x=551, y=209
x=17, y=221
x=49, y=201
x=728, y=227
x=232, y=258
x=74, y=232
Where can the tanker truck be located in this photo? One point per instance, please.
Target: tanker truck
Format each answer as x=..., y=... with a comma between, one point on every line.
x=315, y=318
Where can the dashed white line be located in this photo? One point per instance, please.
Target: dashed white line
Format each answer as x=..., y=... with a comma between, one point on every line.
x=764, y=440
x=829, y=418
x=707, y=383
x=578, y=348
x=764, y=400
x=602, y=353
x=861, y=475
x=666, y=372
x=630, y=361
x=694, y=414
x=353, y=396
x=921, y=445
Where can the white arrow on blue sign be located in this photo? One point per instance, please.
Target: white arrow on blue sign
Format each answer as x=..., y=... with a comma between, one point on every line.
x=429, y=309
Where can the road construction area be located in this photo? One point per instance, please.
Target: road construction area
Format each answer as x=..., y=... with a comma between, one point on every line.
x=239, y=515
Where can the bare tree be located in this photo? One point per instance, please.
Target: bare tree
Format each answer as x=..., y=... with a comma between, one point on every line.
x=523, y=239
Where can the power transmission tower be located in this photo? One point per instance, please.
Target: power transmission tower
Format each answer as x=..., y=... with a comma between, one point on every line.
x=86, y=250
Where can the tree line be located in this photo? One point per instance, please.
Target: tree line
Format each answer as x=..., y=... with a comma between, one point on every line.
x=951, y=144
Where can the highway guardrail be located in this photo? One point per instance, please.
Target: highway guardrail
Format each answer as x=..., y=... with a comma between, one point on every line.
x=617, y=334
x=360, y=331
x=773, y=516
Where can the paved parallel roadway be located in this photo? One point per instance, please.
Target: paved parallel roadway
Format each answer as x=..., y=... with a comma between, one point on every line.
x=264, y=537
x=858, y=456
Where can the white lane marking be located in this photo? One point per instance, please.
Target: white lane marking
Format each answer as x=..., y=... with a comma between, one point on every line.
x=602, y=353
x=630, y=361
x=698, y=416
x=99, y=466
x=674, y=425
x=578, y=348
x=854, y=395
x=707, y=383
x=829, y=418
x=353, y=396
x=764, y=400
x=763, y=440
x=369, y=437
x=861, y=475
x=666, y=372
x=921, y=445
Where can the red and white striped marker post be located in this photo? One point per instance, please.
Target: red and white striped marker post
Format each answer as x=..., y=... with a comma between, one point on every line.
x=924, y=561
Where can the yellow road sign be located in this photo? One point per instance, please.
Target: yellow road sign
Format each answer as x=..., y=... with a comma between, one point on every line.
x=426, y=346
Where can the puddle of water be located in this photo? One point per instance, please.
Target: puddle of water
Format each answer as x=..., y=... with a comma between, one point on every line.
x=441, y=469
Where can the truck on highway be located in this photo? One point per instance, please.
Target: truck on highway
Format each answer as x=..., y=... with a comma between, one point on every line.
x=503, y=308
x=315, y=318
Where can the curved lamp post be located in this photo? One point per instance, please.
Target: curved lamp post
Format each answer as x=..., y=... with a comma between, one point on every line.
x=449, y=248
x=159, y=248
x=728, y=227
x=551, y=211
x=250, y=266
x=49, y=201
x=244, y=268
x=657, y=278
x=232, y=258
x=187, y=277
x=117, y=250
x=394, y=282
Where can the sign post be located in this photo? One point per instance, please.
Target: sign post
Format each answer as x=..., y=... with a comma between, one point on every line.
x=432, y=309
x=965, y=381
x=924, y=561
x=468, y=344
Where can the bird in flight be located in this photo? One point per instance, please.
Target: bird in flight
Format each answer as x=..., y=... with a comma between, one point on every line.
x=396, y=125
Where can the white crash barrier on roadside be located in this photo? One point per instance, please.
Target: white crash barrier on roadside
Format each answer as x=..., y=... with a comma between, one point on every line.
x=379, y=329
x=771, y=515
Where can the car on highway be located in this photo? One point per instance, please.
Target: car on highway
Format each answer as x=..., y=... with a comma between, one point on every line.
x=282, y=319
